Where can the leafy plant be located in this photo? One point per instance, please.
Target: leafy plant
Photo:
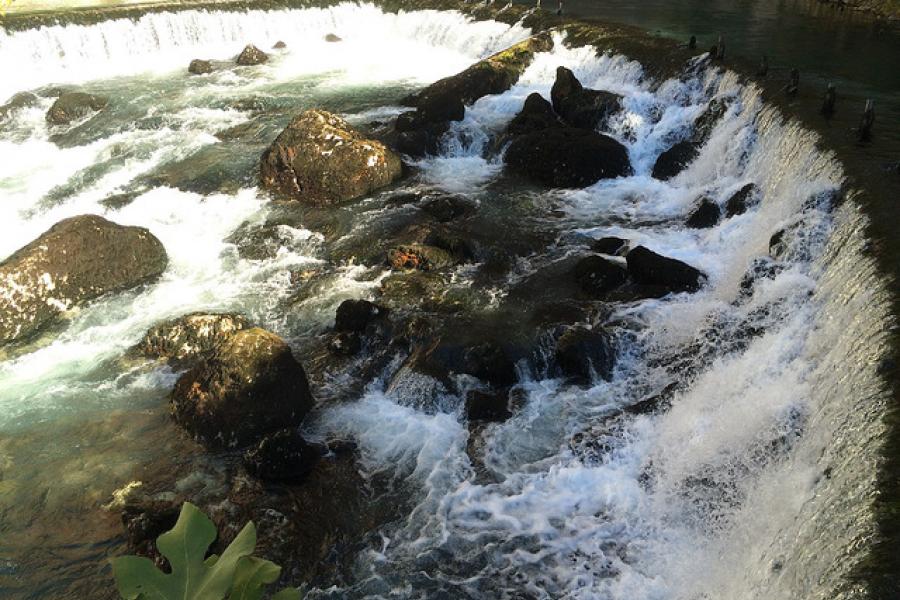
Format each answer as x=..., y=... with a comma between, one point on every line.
x=235, y=575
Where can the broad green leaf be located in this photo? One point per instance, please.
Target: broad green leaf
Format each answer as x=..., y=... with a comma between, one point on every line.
x=251, y=576
x=287, y=594
x=192, y=577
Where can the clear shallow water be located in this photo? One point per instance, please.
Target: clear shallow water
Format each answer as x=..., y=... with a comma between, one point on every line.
x=753, y=484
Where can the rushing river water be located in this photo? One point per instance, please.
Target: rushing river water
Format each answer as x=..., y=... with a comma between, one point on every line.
x=757, y=482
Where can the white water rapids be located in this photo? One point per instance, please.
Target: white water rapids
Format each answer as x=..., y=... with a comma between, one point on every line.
x=754, y=484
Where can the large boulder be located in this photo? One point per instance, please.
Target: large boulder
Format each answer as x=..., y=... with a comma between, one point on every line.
x=189, y=337
x=72, y=106
x=706, y=214
x=674, y=160
x=252, y=385
x=567, y=157
x=597, y=275
x=320, y=159
x=583, y=354
x=251, y=55
x=354, y=316
x=581, y=107
x=282, y=456
x=76, y=260
x=200, y=67
x=649, y=268
x=536, y=115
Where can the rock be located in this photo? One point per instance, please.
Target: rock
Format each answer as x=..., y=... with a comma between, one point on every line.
x=536, y=115
x=72, y=106
x=597, y=275
x=354, y=315
x=447, y=208
x=741, y=200
x=16, y=102
x=762, y=267
x=609, y=245
x=705, y=215
x=707, y=121
x=489, y=362
x=421, y=142
x=649, y=268
x=281, y=456
x=250, y=386
x=419, y=256
x=200, y=67
x=345, y=343
x=567, y=157
x=580, y=107
x=487, y=406
x=319, y=159
x=583, y=354
x=333, y=38
x=251, y=55
x=674, y=160
x=190, y=337
x=279, y=45
x=76, y=260
x=145, y=519
x=445, y=99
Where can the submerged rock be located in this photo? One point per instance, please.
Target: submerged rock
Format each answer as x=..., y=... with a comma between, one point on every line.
x=251, y=55
x=355, y=315
x=581, y=107
x=16, y=102
x=190, y=337
x=200, y=67
x=487, y=406
x=609, y=245
x=419, y=256
x=567, y=157
x=281, y=456
x=71, y=106
x=250, y=386
x=705, y=215
x=674, y=160
x=320, y=159
x=583, y=354
x=741, y=200
x=76, y=260
x=649, y=268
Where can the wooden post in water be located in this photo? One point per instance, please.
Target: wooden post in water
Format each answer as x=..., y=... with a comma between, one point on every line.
x=829, y=101
x=720, y=48
x=692, y=43
x=763, y=67
x=794, y=84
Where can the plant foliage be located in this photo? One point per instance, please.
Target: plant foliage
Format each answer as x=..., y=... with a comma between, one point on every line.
x=235, y=575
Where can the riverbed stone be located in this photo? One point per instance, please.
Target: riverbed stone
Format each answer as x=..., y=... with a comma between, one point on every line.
x=319, y=159
x=740, y=201
x=200, y=67
x=579, y=106
x=282, y=456
x=71, y=106
x=250, y=386
x=583, y=353
x=251, y=55
x=77, y=260
x=189, y=337
x=649, y=268
x=705, y=215
x=674, y=160
x=597, y=275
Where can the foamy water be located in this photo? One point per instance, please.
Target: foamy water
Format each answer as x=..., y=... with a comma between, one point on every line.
x=722, y=496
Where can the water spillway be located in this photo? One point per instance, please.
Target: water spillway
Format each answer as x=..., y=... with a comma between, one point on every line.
x=754, y=478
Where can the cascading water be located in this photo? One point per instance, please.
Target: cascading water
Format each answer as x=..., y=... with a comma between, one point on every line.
x=755, y=482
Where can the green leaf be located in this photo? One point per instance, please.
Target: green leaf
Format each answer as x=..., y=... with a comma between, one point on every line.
x=251, y=576
x=192, y=577
x=287, y=594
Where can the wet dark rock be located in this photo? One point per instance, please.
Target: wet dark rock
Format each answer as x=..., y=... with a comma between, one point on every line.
x=282, y=456
x=200, y=67
x=320, y=159
x=674, y=160
x=145, y=519
x=189, y=337
x=609, y=245
x=705, y=215
x=419, y=256
x=583, y=354
x=447, y=208
x=597, y=275
x=72, y=106
x=77, y=260
x=581, y=107
x=649, y=268
x=333, y=38
x=210, y=170
x=761, y=267
x=417, y=143
x=18, y=101
x=487, y=406
x=250, y=386
x=489, y=362
x=707, y=121
x=355, y=315
x=251, y=55
x=536, y=115
x=567, y=157
x=741, y=200
x=345, y=343
x=279, y=45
